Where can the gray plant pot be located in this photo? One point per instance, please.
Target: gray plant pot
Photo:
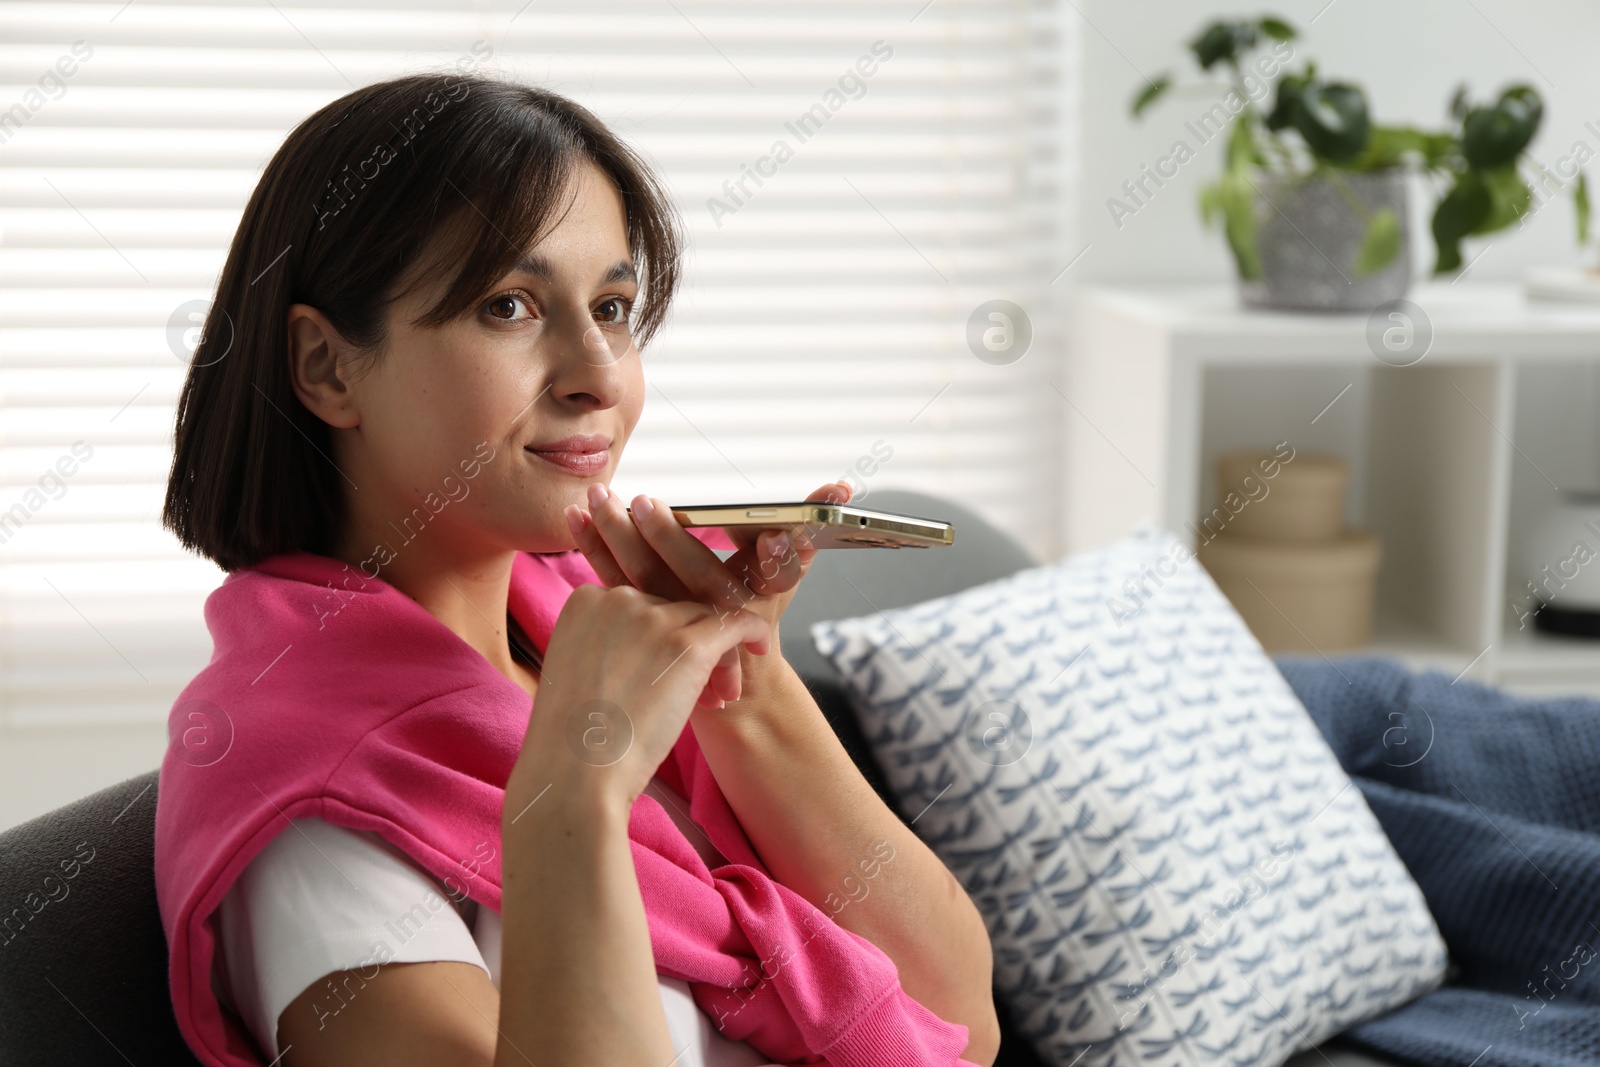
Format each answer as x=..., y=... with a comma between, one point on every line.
x=1308, y=236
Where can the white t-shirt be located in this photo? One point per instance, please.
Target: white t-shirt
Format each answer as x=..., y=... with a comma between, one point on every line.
x=322, y=898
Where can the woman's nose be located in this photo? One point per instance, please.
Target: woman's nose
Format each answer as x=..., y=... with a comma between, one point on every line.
x=595, y=372
x=596, y=347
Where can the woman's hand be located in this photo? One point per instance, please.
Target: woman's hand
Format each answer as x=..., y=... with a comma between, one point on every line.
x=620, y=678
x=651, y=552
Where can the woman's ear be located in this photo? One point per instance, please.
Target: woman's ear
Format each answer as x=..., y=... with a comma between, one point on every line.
x=317, y=368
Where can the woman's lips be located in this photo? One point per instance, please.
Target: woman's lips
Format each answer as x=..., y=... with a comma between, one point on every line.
x=585, y=463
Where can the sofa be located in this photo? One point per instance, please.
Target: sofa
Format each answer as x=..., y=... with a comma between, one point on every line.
x=84, y=981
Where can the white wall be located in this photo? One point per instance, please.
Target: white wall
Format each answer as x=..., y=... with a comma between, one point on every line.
x=1409, y=55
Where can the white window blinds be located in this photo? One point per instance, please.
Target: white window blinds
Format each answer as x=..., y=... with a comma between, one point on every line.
x=857, y=178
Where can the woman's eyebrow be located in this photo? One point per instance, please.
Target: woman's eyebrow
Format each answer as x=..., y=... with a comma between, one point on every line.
x=539, y=266
x=621, y=271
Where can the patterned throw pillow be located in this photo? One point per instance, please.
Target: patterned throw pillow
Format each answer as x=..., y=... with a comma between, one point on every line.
x=1173, y=867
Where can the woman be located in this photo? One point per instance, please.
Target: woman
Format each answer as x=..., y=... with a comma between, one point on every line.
x=419, y=374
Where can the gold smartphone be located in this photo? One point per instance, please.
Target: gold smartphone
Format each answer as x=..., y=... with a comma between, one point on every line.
x=827, y=525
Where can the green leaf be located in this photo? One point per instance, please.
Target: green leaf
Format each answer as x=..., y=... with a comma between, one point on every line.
x=1528, y=98
x=1231, y=200
x=1242, y=154
x=1221, y=42
x=1393, y=146
x=1380, y=244
x=1276, y=28
x=1494, y=136
x=1509, y=199
x=1580, y=204
x=1289, y=89
x=1210, y=203
x=1152, y=92
x=1461, y=212
x=1488, y=138
x=1333, y=120
x=1237, y=200
x=1458, y=103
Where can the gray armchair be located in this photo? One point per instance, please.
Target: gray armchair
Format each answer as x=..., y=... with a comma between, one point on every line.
x=84, y=980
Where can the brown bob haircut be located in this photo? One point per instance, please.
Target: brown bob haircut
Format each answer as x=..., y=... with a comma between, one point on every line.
x=351, y=199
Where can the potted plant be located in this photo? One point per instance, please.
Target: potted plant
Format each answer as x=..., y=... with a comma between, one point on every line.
x=1313, y=194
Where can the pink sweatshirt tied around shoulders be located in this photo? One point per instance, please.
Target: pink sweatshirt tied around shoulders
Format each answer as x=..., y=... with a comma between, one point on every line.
x=334, y=695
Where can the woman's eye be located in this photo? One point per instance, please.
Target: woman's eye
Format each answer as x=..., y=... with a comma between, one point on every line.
x=613, y=311
x=505, y=307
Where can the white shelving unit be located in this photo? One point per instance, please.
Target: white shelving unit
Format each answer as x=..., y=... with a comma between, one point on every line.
x=1453, y=457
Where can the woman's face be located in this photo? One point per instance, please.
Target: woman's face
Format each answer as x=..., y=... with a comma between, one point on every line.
x=460, y=420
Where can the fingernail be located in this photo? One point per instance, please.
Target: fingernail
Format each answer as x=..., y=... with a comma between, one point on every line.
x=779, y=544
x=597, y=496
x=642, y=506
x=574, y=519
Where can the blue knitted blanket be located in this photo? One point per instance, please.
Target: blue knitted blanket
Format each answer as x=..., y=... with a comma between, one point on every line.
x=1493, y=802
